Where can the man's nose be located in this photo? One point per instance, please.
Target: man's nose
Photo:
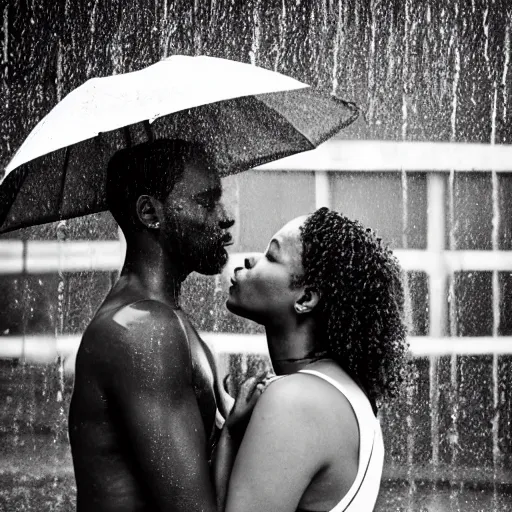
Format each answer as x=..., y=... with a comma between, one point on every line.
x=226, y=223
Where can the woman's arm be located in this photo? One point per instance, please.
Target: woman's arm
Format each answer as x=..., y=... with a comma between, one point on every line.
x=282, y=450
x=232, y=435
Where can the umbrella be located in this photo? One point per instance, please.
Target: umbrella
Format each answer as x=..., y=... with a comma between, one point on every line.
x=243, y=114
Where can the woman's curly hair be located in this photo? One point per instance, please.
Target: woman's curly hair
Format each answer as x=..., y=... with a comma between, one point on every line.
x=361, y=310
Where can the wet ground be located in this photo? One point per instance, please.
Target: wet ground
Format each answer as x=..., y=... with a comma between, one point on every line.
x=36, y=471
x=55, y=493
x=36, y=475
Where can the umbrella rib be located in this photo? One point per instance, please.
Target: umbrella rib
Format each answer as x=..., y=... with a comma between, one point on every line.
x=127, y=136
x=10, y=185
x=347, y=122
x=149, y=131
x=63, y=181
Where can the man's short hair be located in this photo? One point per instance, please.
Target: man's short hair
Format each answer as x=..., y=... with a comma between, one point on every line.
x=151, y=168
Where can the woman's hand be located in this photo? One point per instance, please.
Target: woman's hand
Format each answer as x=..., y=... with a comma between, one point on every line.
x=234, y=430
x=250, y=390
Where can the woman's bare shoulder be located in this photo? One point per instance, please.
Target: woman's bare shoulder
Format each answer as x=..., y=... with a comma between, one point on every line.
x=303, y=389
x=303, y=399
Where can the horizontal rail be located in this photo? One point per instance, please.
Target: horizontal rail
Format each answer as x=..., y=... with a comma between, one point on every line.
x=45, y=349
x=454, y=261
x=39, y=257
x=378, y=155
x=419, y=346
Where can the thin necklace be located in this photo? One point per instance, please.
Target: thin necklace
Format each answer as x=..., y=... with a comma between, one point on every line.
x=311, y=359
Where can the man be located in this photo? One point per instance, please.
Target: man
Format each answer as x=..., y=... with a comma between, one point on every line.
x=143, y=411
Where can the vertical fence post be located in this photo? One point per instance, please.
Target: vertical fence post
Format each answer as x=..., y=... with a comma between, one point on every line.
x=496, y=302
x=437, y=304
x=322, y=189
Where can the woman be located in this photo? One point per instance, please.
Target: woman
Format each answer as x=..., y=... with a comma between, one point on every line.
x=331, y=300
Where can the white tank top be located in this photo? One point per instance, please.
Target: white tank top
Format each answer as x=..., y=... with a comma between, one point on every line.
x=362, y=495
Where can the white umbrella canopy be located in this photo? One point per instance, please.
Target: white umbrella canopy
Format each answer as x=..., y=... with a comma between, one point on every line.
x=244, y=116
x=171, y=85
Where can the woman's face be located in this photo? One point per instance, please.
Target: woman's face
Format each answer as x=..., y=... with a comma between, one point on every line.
x=261, y=290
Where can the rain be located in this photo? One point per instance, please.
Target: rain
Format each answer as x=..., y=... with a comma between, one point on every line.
x=432, y=75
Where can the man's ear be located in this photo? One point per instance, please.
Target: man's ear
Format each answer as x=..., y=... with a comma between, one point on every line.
x=307, y=301
x=147, y=212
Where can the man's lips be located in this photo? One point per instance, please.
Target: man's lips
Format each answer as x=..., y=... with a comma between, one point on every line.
x=226, y=239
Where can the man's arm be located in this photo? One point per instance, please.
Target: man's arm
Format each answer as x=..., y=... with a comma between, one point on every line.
x=151, y=385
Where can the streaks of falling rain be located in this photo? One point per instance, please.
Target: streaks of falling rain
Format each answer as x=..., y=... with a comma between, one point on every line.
x=420, y=70
x=407, y=84
x=455, y=364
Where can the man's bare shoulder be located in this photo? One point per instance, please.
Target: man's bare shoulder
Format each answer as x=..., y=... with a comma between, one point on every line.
x=145, y=329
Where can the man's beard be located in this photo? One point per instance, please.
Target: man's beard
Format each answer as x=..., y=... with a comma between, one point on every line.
x=197, y=250
x=212, y=261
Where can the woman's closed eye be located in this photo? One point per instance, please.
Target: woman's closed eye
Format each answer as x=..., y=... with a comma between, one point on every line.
x=273, y=251
x=270, y=257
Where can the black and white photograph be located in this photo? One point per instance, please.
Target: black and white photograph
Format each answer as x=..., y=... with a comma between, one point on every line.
x=256, y=256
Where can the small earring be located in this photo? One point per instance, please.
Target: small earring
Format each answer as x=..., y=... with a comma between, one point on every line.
x=300, y=308
x=154, y=225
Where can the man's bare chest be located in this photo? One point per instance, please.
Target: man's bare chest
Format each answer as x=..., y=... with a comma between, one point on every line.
x=203, y=376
